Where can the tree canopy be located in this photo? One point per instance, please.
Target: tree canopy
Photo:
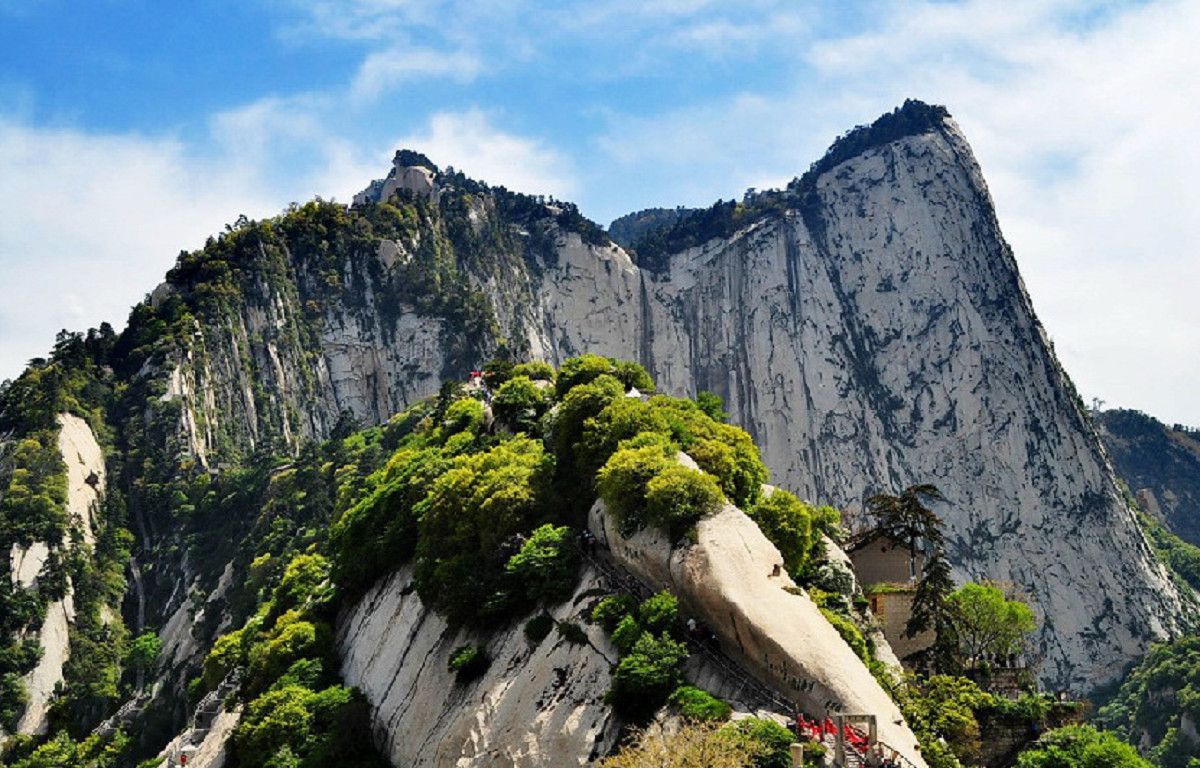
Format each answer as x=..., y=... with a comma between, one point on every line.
x=988, y=624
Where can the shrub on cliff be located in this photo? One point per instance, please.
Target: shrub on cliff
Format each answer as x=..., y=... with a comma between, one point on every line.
x=519, y=403
x=546, y=565
x=646, y=676
x=623, y=482
x=698, y=704
x=788, y=523
x=1081, y=746
x=694, y=745
x=677, y=497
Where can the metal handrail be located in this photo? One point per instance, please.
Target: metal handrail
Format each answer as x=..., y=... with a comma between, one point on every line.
x=787, y=708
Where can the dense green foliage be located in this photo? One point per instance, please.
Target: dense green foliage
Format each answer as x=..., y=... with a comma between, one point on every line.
x=296, y=712
x=650, y=667
x=647, y=675
x=33, y=492
x=62, y=751
x=694, y=744
x=482, y=514
x=1155, y=698
x=546, y=564
x=485, y=513
x=941, y=711
x=698, y=704
x=774, y=742
x=1081, y=746
x=795, y=528
x=987, y=623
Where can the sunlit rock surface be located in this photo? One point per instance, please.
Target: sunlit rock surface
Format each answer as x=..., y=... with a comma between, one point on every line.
x=538, y=705
x=873, y=335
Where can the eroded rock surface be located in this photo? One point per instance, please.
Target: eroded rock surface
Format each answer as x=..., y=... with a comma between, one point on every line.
x=731, y=578
x=85, y=485
x=872, y=334
x=539, y=705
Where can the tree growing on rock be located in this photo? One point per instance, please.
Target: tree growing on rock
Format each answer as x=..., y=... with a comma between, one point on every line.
x=987, y=623
x=907, y=518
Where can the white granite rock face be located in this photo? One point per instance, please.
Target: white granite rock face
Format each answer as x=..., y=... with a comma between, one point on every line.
x=85, y=485
x=731, y=578
x=880, y=337
x=874, y=336
x=539, y=705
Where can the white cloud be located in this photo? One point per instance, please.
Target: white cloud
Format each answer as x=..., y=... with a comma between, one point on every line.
x=91, y=224
x=383, y=70
x=469, y=142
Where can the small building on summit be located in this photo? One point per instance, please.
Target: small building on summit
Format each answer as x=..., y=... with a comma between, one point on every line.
x=879, y=559
x=889, y=573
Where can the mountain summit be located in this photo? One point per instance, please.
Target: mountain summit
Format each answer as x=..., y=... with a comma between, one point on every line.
x=866, y=325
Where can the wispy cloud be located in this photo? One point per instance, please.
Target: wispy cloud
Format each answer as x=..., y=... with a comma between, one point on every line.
x=469, y=141
x=383, y=70
x=91, y=223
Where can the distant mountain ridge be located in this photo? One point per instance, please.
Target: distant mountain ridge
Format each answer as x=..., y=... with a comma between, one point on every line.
x=1160, y=464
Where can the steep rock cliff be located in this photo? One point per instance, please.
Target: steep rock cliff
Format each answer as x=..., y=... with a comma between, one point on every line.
x=540, y=703
x=868, y=327
x=84, y=462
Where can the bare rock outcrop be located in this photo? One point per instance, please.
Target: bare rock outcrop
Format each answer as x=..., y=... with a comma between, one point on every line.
x=731, y=578
x=539, y=704
x=84, y=460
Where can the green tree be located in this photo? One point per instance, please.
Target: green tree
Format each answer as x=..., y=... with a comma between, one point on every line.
x=519, y=403
x=546, y=564
x=987, y=623
x=470, y=514
x=929, y=612
x=535, y=370
x=1081, y=746
x=647, y=675
x=659, y=613
x=623, y=480
x=581, y=370
x=787, y=523
x=713, y=406
x=143, y=655
x=941, y=712
x=678, y=496
x=907, y=519
x=731, y=456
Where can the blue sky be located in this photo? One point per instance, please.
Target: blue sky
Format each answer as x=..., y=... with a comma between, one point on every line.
x=131, y=130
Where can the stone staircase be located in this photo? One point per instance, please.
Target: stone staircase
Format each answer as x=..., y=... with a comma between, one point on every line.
x=619, y=580
x=123, y=716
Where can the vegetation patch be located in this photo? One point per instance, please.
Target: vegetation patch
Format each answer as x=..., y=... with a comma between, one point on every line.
x=467, y=662
x=698, y=704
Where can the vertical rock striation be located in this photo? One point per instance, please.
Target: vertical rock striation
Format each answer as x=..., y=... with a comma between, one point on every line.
x=540, y=702
x=871, y=331
x=84, y=461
